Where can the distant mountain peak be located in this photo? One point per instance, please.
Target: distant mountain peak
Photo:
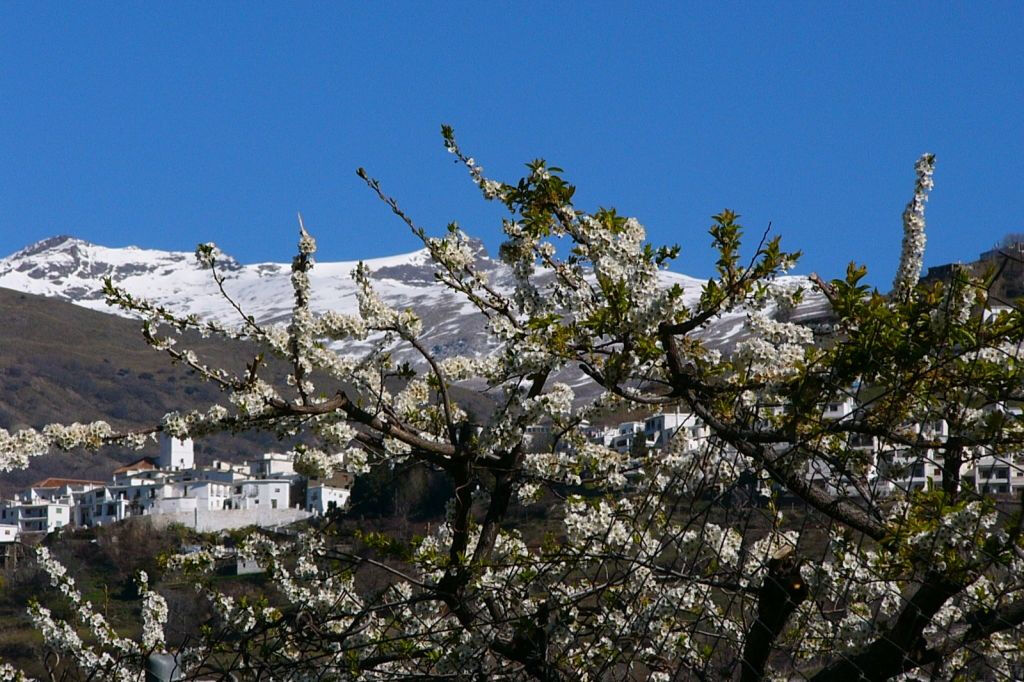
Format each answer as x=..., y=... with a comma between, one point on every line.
x=58, y=243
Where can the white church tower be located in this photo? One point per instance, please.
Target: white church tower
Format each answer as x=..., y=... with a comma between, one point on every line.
x=175, y=454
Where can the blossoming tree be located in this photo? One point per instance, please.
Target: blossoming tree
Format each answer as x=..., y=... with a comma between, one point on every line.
x=655, y=571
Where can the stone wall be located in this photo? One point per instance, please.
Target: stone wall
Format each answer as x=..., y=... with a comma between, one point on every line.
x=209, y=521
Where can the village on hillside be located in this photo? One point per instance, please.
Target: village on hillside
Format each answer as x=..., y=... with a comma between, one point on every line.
x=268, y=492
x=890, y=467
x=171, y=488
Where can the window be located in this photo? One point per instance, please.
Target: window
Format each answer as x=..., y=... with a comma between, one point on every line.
x=273, y=504
x=238, y=490
x=860, y=440
x=917, y=471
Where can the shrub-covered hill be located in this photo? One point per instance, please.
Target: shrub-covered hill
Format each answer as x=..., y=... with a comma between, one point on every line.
x=62, y=362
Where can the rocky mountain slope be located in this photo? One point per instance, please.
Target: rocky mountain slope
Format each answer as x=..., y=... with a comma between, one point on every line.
x=72, y=270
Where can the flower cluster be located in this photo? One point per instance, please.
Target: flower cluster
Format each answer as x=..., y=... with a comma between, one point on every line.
x=154, y=615
x=453, y=250
x=774, y=349
x=912, y=255
x=16, y=448
x=207, y=254
x=193, y=423
x=376, y=314
x=315, y=463
x=118, y=659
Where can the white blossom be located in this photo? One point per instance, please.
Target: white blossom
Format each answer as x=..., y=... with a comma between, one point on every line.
x=912, y=255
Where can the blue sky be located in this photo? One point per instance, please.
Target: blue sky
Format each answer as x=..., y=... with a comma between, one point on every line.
x=163, y=125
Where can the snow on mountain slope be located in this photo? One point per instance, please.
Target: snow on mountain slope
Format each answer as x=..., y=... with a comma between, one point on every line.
x=72, y=269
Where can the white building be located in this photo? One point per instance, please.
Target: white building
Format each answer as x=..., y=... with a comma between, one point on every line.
x=175, y=454
x=45, y=506
x=992, y=473
x=625, y=436
x=839, y=409
x=8, y=532
x=37, y=517
x=271, y=465
x=660, y=428
x=102, y=506
x=325, y=496
x=862, y=465
x=260, y=494
x=898, y=467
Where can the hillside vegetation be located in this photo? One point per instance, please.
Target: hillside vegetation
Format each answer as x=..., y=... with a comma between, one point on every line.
x=61, y=362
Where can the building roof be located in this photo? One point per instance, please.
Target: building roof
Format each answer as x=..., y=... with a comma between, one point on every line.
x=54, y=482
x=272, y=457
x=340, y=479
x=141, y=464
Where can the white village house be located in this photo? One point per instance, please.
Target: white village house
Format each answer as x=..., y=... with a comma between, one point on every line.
x=323, y=497
x=8, y=532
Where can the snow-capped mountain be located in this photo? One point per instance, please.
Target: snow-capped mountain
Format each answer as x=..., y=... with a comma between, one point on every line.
x=72, y=269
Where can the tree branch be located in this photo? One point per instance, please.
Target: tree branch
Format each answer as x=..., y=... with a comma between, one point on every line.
x=781, y=593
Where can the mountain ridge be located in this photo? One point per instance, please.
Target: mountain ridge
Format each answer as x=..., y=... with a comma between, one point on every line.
x=72, y=269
